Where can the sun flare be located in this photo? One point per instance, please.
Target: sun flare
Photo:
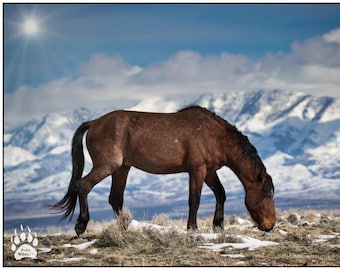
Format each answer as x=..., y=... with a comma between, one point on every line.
x=30, y=27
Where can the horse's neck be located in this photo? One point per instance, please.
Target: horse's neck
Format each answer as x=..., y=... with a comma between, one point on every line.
x=243, y=167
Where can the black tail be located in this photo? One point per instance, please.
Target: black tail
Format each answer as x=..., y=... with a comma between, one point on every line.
x=68, y=203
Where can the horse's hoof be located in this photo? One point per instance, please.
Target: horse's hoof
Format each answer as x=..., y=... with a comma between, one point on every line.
x=191, y=227
x=80, y=228
x=218, y=226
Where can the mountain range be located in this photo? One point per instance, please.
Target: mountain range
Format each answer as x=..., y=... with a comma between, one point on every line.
x=297, y=136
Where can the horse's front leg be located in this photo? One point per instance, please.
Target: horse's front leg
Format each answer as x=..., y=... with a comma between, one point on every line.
x=216, y=186
x=195, y=187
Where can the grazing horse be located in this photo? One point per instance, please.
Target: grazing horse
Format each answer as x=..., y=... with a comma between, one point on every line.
x=192, y=140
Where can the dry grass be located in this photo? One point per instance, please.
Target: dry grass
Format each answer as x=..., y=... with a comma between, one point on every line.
x=120, y=245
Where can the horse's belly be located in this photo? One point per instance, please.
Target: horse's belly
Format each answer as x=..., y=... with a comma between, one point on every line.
x=157, y=162
x=156, y=169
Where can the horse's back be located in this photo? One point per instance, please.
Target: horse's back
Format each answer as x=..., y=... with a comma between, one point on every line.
x=147, y=122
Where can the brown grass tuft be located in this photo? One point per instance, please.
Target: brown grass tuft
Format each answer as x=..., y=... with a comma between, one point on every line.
x=124, y=219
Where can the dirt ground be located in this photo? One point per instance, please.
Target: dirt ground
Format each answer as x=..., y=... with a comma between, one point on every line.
x=304, y=238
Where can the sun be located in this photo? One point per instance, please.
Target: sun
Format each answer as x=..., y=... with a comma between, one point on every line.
x=30, y=27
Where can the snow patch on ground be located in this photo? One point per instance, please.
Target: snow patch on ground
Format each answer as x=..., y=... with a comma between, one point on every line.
x=325, y=238
x=75, y=259
x=247, y=242
x=137, y=225
x=82, y=246
x=234, y=256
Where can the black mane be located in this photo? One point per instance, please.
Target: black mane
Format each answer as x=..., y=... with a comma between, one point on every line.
x=247, y=149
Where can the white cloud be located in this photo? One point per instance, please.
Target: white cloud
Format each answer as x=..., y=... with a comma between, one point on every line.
x=312, y=66
x=103, y=65
x=332, y=36
x=188, y=66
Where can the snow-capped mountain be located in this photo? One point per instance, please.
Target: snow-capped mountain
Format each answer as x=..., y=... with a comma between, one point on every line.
x=297, y=136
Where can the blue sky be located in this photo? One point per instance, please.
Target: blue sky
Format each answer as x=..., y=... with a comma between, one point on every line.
x=74, y=41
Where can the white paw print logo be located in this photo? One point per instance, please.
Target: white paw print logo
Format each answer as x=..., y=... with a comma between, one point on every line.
x=23, y=245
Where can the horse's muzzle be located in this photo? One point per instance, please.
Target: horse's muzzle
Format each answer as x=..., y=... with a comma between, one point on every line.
x=265, y=229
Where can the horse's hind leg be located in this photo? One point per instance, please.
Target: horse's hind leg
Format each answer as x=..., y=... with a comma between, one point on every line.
x=84, y=186
x=116, y=197
x=216, y=186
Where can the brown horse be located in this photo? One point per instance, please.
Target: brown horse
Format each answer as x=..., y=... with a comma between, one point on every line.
x=192, y=140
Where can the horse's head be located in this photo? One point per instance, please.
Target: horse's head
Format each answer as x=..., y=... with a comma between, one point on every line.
x=260, y=203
